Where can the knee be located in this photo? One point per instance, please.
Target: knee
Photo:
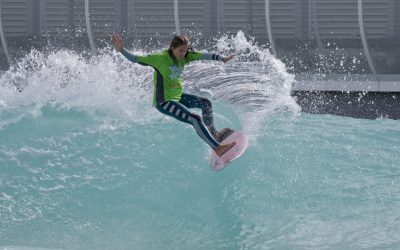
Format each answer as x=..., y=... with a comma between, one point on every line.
x=195, y=120
x=196, y=117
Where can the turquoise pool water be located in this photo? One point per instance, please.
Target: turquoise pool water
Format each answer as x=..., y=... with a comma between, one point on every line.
x=87, y=163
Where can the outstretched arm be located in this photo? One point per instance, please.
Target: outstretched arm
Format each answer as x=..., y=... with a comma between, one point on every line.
x=207, y=56
x=119, y=46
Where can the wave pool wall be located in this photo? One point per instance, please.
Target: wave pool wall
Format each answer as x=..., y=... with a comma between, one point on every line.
x=367, y=105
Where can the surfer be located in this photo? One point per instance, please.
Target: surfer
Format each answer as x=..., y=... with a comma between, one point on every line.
x=168, y=96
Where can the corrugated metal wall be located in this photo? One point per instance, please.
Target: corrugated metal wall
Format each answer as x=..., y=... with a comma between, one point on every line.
x=335, y=18
x=283, y=19
x=193, y=16
x=15, y=17
x=396, y=18
x=152, y=16
x=57, y=16
x=283, y=24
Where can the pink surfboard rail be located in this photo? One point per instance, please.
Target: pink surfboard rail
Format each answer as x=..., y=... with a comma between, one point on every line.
x=241, y=139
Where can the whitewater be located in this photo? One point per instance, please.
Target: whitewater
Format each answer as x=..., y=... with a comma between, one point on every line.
x=87, y=162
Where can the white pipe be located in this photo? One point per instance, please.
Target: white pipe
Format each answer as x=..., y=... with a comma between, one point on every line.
x=88, y=27
x=315, y=22
x=176, y=15
x=3, y=38
x=364, y=39
x=269, y=28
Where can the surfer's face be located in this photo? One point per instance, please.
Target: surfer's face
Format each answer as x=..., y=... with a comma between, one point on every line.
x=180, y=51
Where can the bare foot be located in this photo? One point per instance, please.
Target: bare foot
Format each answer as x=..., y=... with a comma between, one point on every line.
x=222, y=149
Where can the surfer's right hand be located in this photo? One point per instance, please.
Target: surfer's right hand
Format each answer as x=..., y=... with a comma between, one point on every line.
x=117, y=41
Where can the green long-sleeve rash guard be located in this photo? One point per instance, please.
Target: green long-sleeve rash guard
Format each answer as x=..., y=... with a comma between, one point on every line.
x=167, y=73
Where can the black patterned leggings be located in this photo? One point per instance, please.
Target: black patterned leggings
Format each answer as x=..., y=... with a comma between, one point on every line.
x=180, y=111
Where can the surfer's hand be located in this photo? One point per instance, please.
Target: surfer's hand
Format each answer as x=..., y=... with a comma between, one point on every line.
x=226, y=59
x=118, y=43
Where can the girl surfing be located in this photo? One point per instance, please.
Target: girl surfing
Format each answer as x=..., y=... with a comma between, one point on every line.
x=168, y=96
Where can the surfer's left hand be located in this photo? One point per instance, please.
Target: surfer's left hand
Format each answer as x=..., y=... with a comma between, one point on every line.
x=227, y=59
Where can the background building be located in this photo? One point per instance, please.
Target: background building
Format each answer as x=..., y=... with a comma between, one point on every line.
x=331, y=45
